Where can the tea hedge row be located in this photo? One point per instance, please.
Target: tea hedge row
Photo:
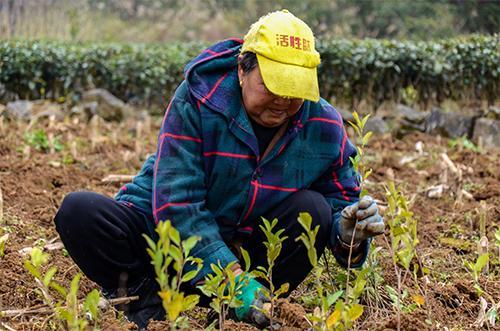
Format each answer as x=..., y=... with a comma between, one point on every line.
x=351, y=70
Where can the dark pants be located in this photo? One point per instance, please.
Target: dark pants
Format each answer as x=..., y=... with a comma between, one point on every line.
x=104, y=238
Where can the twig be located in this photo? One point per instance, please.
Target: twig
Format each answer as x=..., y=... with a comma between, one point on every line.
x=117, y=178
x=1, y=205
x=398, y=274
x=7, y=327
x=103, y=305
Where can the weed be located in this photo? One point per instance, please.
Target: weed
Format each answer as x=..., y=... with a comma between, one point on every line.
x=70, y=315
x=168, y=253
x=39, y=140
x=464, y=143
x=475, y=270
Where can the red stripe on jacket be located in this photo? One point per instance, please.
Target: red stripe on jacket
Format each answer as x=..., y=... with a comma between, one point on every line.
x=341, y=188
x=214, y=88
x=239, y=156
x=181, y=137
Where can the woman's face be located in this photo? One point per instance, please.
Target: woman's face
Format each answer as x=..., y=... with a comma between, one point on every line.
x=261, y=105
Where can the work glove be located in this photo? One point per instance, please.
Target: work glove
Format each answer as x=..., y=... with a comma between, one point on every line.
x=363, y=216
x=251, y=296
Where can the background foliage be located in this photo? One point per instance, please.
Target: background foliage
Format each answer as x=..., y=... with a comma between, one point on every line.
x=209, y=20
x=351, y=70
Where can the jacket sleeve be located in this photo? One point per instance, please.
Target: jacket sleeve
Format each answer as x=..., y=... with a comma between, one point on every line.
x=340, y=187
x=179, y=189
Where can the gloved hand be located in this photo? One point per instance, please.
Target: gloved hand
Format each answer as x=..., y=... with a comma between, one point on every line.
x=363, y=216
x=252, y=296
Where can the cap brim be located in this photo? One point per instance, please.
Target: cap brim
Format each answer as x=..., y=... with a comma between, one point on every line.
x=289, y=80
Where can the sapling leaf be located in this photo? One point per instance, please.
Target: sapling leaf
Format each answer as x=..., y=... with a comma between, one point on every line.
x=32, y=269
x=150, y=242
x=175, y=253
x=61, y=290
x=246, y=258
x=259, y=274
x=355, y=312
x=481, y=262
x=189, y=276
x=363, y=121
x=283, y=289
x=190, y=302
x=332, y=298
x=174, y=235
x=189, y=243
x=91, y=303
x=49, y=275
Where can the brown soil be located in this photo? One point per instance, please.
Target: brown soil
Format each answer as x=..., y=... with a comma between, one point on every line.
x=33, y=185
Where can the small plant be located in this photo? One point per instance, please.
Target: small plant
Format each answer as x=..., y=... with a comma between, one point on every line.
x=345, y=313
x=464, y=143
x=40, y=141
x=497, y=241
x=70, y=315
x=476, y=268
x=224, y=286
x=403, y=238
x=3, y=241
x=274, y=243
x=358, y=161
x=168, y=253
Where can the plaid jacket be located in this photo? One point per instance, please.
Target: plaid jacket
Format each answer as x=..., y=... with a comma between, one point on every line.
x=208, y=177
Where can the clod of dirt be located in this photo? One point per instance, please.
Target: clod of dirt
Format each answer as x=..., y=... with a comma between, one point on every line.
x=291, y=315
x=238, y=326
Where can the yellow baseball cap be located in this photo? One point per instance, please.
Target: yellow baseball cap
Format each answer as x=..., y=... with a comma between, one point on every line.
x=284, y=46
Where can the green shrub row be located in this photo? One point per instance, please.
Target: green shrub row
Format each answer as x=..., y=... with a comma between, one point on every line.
x=379, y=70
x=351, y=70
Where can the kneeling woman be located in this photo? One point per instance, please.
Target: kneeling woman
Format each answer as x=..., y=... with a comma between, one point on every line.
x=245, y=135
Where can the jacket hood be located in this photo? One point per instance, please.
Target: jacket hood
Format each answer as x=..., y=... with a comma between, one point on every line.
x=212, y=76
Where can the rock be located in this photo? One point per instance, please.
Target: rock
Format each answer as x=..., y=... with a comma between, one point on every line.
x=493, y=112
x=411, y=115
x=20, y=110
x=6, y=95
x=49, y=112
x=376, y=125
x=108, y=107
x=488, y=131
x=451, y=125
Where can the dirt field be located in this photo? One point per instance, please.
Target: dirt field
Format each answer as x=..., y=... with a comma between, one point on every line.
x=34, y=183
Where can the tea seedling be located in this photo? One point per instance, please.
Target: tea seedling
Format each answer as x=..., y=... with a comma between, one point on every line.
x=274, y=242
x=224, y=286
x=168, y=253
x=403, y=238
x=70, y=315
x=345, y=313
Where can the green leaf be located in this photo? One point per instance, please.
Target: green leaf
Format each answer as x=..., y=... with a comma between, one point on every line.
x=175, y=253
x=189, y=276
x=481, y=262
x=355, y=312
x=282, y=290
x=91, y=304
x=246, y=258
x=189, y=244
x=332, y=298
x=49, y=275
x=190, y=302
